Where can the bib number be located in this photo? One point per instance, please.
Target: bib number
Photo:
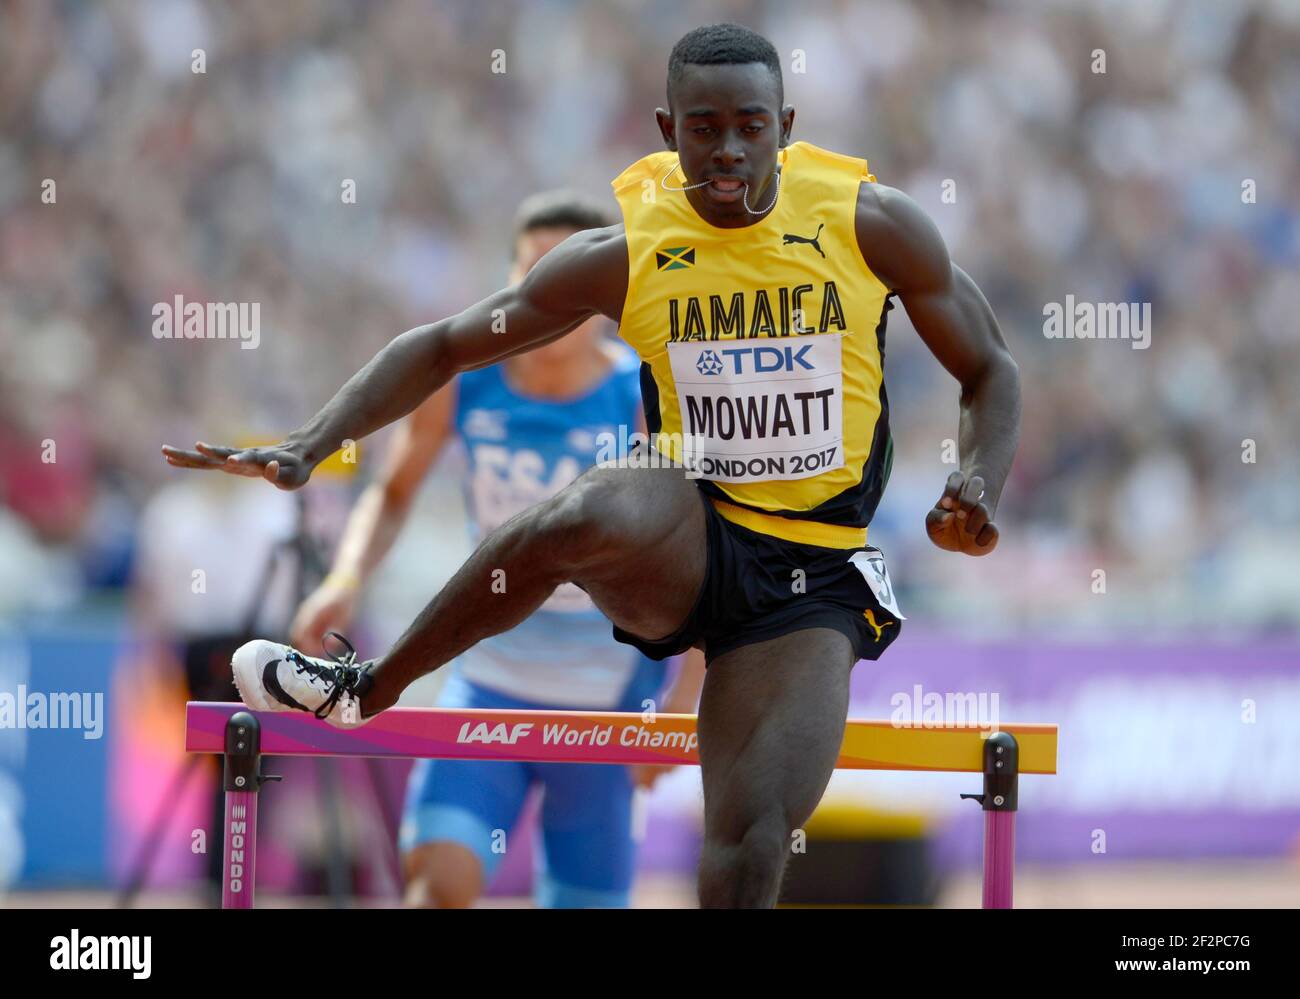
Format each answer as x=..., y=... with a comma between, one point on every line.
x=760, y=411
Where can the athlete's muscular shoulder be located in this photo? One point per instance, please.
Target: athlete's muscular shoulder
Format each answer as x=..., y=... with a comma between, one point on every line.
x=899, y=242
x=587, y=272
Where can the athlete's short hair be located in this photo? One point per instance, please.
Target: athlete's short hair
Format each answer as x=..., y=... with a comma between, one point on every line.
x=560, y=209
x=723, y=45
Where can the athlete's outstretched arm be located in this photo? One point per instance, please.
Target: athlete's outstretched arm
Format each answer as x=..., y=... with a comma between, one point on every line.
x=903, y=247
x=583, y=276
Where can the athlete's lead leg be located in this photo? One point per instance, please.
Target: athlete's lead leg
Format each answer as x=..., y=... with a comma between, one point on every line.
x=771, y=724
x=633, y=538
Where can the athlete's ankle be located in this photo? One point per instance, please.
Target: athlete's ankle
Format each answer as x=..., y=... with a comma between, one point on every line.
x=364, y=685
x=373, y=692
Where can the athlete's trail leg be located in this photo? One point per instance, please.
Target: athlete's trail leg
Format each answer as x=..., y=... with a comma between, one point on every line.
x=772, y=719
x=633, y=538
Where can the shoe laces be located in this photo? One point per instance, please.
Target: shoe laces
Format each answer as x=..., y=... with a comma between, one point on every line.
x=339, y=679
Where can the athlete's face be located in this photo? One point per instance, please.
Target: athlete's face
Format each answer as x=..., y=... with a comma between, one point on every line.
x=726, y=124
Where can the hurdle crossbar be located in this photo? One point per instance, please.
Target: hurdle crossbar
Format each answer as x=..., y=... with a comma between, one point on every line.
x=241, y=736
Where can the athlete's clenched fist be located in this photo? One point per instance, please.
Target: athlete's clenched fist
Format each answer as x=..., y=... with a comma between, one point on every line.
x=960, y=522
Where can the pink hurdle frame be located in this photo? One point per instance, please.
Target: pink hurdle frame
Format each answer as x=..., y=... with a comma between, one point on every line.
x=999, y=801
x=238, y=871
x=241, y=779
x=240, y=743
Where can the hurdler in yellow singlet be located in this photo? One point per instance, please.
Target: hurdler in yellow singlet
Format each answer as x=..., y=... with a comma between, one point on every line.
x=766, y=346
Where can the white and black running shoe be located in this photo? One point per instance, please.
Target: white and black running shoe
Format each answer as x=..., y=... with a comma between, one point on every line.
x=271, y=676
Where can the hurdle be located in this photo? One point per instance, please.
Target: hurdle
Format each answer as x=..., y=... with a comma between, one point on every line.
x=242, y=737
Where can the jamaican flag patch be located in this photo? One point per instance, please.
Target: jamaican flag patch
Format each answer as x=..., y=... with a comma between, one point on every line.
x=675, y=258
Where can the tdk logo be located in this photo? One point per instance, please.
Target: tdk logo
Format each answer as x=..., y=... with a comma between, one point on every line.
x=757, y=360
x=709, y=363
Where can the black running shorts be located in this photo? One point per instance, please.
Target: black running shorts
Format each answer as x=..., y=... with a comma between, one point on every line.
x=758, y=587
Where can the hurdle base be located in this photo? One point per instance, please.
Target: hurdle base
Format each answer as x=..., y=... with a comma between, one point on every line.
x=242, y=779
x=1000, y=801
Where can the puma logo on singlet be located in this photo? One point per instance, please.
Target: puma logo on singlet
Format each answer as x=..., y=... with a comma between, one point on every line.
x=788, y=238
x=879, y=629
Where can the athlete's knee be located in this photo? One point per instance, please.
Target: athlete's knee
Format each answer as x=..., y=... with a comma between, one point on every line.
x=744, y=870
x=441, y=876
x=592, y=518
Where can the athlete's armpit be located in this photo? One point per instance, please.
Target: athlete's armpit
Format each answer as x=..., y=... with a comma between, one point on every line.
x=584, y=276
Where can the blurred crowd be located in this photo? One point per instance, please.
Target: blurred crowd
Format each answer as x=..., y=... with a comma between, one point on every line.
x=1112, y=151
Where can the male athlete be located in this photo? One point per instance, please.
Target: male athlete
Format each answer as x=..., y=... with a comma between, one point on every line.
x=769, y=354
x=528, y=425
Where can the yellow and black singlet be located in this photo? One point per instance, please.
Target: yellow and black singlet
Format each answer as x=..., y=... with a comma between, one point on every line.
x=762, y=347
